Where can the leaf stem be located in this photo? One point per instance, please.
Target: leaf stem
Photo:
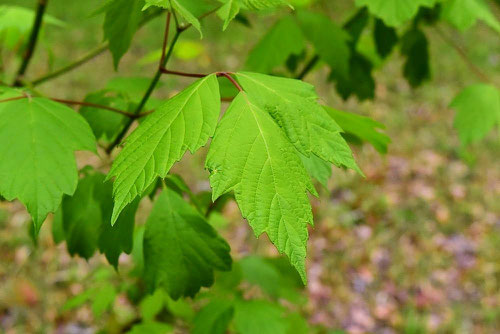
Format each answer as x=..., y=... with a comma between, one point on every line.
x=230, y=78
x=35, y=31
x=182, y=74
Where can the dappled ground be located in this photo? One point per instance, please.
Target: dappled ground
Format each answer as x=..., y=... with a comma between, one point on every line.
x=412, y=248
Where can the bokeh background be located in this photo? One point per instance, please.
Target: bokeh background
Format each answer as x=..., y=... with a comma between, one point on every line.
x=412, y=248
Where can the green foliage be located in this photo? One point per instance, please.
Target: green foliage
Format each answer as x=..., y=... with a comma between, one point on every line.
x=184, y=122
x=478, y=110
x=283, y=40
x=329, y=40
x=181, y=250
x=265, y=150
x=39, y=167
x=395, y=12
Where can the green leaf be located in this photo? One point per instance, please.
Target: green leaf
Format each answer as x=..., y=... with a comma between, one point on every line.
x=415, y=47
x=38, y=166
x=181, y=250
x=184, y=122
x=259, y=317
x=395, y=12
x=250, y=155
x=361, y=127
x=329, y=40
x=385, y=38
x=463, y=14
x=82, y=216
x=283, y=40
x=86, y=220
x=180, y=7
x=121, y=21
x=228, y=11
x=151, y=305
x=293, y=105
x=359, y=82
x=118, y=238
x=214, y=318
x=478, y=110
x=356, y=25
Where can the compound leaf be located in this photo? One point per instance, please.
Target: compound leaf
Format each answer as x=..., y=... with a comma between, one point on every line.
x=184, y=122
x=283, y=40
x=181, y=250
x=478, y=110
x=250, y=155
x=38, y=166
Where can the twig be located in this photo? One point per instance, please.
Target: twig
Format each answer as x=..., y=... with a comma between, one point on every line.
x=309, y=66
x=35, y=30
x=461, y=52
x=182, y=74
x=82, y=60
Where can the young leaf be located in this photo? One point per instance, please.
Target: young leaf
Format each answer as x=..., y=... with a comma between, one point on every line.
x=395, y=12
x=385, y=38
x=283, y=40
x=293, y=105
x=361, y=127
x=181, y=250
x=414, y=46
x=463, y=14
x=329, y=40
x=478, y=110
x=250, y=155
x=259, y=317
x=184, y=122
x=121, y=21
x=38, y=166
x=214, y=318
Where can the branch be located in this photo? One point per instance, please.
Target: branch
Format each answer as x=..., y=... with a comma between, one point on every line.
x=37, y=24
x=82, y=60
x=80, y=103
x=182, y=74
x=461, y=52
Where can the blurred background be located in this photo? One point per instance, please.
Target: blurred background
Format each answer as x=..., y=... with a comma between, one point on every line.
x=413, y=248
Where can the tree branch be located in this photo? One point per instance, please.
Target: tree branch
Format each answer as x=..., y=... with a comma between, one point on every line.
x=35, y=31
